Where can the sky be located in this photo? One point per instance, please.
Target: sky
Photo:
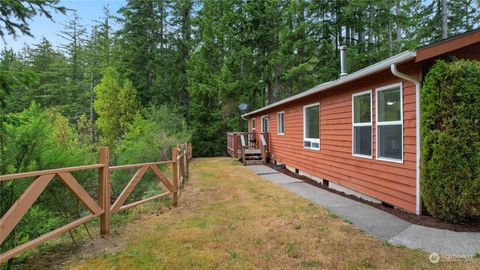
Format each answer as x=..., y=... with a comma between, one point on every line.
x=87, y=10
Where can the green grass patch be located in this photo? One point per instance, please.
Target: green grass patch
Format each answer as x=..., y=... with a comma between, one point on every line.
x=292, y=250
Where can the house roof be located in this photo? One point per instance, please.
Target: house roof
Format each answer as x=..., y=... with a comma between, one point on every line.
x=421, y=53
x=380, y=66
x=447, y=45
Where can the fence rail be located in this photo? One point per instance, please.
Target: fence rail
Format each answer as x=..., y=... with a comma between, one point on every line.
x=181, y=154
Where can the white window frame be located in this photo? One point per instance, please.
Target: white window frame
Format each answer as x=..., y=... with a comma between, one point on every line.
x=305, y=127
x=278, y=123
x=362, y=124
x=386, y=123
x=261, y=123
x=252, y=125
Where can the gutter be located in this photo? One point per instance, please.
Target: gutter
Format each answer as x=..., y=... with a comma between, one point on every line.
x=395, y=72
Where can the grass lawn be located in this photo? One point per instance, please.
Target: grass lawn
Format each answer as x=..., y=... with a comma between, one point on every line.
x=229, y=218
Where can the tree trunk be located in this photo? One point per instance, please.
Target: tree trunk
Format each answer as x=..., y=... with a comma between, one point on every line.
x=347, y=35
x=92, y=128
x=184, y=51
x=468, y=26
x=162, y=24
x=267, y=92
x=370, y=26
x=301, y=21
x=277, y=85
x=399, y=27
x=444, y=19
x=390, y=46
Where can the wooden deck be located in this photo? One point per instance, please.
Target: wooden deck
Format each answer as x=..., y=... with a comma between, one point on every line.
x=250, y=147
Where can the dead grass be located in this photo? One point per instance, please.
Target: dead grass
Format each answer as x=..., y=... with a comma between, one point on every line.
x=229, y=218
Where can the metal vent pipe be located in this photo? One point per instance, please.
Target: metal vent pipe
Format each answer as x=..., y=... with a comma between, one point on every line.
x=343, y=61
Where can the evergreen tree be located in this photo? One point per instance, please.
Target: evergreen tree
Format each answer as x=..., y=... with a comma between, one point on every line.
x=51, y=67
x=116, y=106
x=182, y=13
x=75, y=93
x=13, y=76
x=98, y=57
x=205, y=85
x=16, y=13
x=104, y=36
x=139, y=45
x=464, y=15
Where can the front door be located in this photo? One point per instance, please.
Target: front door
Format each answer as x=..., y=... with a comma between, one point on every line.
x=264, y=124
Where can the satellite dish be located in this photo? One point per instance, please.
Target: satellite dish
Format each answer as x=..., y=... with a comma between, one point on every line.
x=243, y=106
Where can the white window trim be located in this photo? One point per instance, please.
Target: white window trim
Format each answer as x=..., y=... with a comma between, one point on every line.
x=252, y=125
x=261, y=123
x=278, y=123
x=362, y=124
x=386, y=123
x=305, y=128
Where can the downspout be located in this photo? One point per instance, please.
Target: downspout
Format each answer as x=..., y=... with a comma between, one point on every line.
x=248, y=121
x=417, y=83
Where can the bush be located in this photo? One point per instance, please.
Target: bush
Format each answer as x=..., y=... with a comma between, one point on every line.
x=450, y=172
x=38, y=139
x=150, y=137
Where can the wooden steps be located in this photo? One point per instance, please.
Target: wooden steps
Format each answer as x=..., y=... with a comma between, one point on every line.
x=253, y=157
x=253, y=148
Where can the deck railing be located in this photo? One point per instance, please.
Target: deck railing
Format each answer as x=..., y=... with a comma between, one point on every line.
x=181, y=154
x=233, y=144
x=263, y=147
x=237, y=142
x=243, y=146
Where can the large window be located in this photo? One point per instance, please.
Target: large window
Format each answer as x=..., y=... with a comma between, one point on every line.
x=390, y=123
x=311, y=126
x=253, y=125
x=281, y=123
x=265, y=124
x=362, y=124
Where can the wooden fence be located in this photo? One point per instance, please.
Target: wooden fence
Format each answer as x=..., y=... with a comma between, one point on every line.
x=181, y=154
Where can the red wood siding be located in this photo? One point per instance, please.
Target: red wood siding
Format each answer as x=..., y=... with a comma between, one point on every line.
x=394, y=183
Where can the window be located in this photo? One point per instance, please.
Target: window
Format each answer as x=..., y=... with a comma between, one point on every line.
x=362, y=124
x=253, y=125
x=281, y=123
x=390, y=123
x=311, y=126
x=265, y=124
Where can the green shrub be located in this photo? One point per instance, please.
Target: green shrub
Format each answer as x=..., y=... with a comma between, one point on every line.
x=149, y=138
x=38, y=139
x=450, y=172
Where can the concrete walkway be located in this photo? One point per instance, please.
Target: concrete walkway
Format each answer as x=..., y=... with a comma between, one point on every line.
x=377, y=223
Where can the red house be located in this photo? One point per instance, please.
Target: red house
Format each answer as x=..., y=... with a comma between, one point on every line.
x=359, y=133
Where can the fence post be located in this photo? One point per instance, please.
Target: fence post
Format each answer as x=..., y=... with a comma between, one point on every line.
x=175, y=175
x=104, y=191
x=185, y=160
x=190, y=151
x=188, y=158
x=235, y=145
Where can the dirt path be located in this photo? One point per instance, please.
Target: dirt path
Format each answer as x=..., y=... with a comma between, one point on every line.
x=228, y=218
